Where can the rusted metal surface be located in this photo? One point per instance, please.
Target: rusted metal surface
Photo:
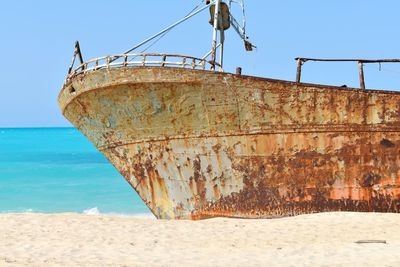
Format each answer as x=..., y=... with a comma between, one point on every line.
x=197, y=144
x=223, y=10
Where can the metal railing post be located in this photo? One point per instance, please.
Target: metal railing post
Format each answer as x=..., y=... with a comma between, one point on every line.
x=184, y=62
x=108, y=59
x=125, y=61
x=144, y=60
x=298, y=74
x=361, y=74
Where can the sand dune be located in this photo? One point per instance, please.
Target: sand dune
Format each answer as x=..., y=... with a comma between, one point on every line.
x=310, y=240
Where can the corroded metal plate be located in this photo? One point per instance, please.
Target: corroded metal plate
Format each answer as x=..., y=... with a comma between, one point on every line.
x=198, y=144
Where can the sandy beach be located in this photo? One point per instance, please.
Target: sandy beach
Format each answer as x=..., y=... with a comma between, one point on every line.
x=328, y=239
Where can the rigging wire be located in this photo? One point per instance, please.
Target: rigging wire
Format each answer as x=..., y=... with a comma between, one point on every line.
x=165, y=33
x=165, y=30
x=241, y=4
x=390, y=70
x=197, y=9
x=382, y=68
x=159, y=38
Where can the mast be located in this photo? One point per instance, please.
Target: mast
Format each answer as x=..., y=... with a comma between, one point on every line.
x=222, y=19
x=221, y=52
x=215, y=29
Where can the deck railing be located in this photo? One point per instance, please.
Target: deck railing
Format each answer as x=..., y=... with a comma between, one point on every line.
x=137, y=60
x=360, y=62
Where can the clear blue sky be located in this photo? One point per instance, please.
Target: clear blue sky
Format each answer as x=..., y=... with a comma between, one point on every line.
x=37, y=42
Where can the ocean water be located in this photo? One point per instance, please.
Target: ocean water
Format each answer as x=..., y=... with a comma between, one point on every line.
x=53, y=170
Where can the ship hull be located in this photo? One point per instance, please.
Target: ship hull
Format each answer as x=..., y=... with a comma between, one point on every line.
x=199, y=144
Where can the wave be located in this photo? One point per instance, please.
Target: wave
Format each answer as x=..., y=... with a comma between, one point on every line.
x=92, y=211
x=96, y=211
x=19, y=211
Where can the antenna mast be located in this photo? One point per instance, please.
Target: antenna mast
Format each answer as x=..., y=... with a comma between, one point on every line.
x=221, y=20
x=215, y=30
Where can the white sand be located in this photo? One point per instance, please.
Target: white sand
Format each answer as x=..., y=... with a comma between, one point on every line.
x=310, y=240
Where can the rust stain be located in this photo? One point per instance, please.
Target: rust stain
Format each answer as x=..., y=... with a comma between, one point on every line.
x=196, y=144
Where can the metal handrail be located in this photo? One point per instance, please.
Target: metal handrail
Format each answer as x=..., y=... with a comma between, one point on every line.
x=139, y=60
x=361, y=62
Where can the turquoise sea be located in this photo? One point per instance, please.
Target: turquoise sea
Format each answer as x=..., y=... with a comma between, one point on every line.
x=52, y=170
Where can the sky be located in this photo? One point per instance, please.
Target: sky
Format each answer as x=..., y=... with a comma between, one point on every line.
x=37, y=43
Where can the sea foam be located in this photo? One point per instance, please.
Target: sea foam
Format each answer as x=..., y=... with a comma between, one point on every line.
x=92, y=211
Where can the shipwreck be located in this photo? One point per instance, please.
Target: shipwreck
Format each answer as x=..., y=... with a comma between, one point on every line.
x=196, y=142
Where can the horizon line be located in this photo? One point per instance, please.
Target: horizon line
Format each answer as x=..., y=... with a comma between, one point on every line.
x=37, y=127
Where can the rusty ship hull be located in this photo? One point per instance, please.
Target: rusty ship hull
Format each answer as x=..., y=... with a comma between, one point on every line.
x=196, y=144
